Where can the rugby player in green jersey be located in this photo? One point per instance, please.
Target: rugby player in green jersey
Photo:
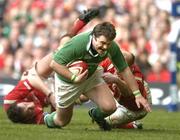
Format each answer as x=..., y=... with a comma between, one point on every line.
x=91, y=47
x=25, y=103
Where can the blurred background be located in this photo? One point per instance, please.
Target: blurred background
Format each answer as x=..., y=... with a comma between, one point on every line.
x=150, y=29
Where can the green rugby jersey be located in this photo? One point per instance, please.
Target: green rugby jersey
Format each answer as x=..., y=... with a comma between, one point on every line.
x=78, y=48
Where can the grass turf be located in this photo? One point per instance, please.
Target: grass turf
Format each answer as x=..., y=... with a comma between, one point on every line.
x=158, y=125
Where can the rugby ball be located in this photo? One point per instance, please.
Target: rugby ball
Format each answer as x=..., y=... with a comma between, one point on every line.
x=78, y=67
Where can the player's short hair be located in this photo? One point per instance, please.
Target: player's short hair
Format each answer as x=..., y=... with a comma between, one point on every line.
x=16, y=115
x=106, y=29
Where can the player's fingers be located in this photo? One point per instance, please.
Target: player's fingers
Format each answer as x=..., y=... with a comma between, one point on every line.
x=85, y=73
x=138, y=104
x=81, y=77
x=147, y=108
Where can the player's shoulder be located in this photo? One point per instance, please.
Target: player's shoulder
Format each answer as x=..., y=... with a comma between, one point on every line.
x=114, y=43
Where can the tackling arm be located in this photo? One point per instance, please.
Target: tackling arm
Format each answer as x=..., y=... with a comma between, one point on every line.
x=131, y=82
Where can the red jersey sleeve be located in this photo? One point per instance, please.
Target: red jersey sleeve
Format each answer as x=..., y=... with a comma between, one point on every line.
x=39, y=114
x=19, y=92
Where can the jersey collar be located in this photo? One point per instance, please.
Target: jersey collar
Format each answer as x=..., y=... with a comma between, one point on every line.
x=88, y=47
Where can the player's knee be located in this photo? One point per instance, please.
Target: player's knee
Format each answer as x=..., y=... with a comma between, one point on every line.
x=63, y=120
x=109, y=108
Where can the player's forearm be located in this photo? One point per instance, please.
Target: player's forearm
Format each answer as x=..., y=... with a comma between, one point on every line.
x=139, y=99
x=60, y=69
x=129, y=79
x=39, y=84
x=124, y=88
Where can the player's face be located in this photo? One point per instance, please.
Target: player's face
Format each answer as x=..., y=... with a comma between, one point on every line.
x=101, y=44
x=28, y=108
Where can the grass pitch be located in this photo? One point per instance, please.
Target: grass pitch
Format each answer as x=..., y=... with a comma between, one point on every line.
x=158, y=125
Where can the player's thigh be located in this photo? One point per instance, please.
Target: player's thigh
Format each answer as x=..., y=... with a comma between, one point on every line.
x=64, y=115
x=101, y=95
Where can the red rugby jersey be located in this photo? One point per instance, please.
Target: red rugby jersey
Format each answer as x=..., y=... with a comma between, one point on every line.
x=24, y=92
